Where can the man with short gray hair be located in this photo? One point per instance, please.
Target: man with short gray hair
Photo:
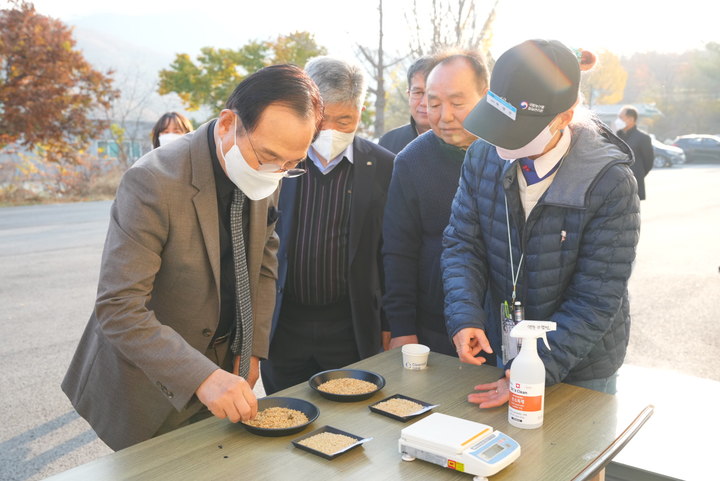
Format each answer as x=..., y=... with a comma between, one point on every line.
x=423, y=185
x=329, y=300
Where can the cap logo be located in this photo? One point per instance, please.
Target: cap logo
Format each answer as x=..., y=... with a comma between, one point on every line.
x=531, y=107
x=501, y=104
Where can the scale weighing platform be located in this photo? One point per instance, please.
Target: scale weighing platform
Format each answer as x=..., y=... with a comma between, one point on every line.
x=458, y=444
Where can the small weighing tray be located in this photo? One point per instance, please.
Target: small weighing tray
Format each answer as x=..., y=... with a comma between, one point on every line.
x=329, y=429
x=425, y=408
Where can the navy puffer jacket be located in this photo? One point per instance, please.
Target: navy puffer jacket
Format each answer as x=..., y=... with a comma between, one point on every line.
x=578, y=242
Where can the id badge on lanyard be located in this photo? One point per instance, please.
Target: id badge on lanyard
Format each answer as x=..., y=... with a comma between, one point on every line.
x=511, y=313
x=510, y=345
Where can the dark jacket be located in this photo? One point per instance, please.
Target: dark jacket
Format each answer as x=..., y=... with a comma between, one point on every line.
x=372, y=169
x=396, y=139
x=641, y=145
x=423, y=185
x=578, y=243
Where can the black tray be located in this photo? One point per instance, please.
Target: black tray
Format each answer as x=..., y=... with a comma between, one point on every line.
x=326, y=429
x=309, y=409
x=402, y=418
x=325, y=376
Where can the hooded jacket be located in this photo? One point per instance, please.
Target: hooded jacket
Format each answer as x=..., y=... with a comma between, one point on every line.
x=578, y=245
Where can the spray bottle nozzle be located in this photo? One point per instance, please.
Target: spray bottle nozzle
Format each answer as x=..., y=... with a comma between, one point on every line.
x=533, y=330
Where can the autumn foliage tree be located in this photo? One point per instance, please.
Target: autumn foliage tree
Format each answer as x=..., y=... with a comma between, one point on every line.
x=210, y=79
x=684, y=87
x=605, y=84
x=48, y=91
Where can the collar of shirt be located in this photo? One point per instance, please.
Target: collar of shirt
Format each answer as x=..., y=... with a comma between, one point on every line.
x=223, y=184
x=548, y=160
x=348, y=153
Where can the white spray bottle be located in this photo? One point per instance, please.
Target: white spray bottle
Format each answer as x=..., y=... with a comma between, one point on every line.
x=527, y=376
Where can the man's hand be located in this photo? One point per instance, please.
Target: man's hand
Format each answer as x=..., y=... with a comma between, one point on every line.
x=228, y=396
x=254, y=372
x=402, y=340
x=496, y=393
x=469, y=342
x=385, y=336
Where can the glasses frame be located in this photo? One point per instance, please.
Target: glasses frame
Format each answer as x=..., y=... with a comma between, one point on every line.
x=289, y=173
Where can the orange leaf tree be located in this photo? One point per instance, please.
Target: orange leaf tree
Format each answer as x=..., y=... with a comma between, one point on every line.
x=50, y=95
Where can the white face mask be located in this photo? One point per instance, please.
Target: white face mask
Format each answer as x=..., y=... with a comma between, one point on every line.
x=535, y=147
x=619, y=124
x=254, y=184
x=330, y=143
x=165, y=139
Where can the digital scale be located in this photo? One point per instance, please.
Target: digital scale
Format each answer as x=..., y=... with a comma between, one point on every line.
x=458, y=444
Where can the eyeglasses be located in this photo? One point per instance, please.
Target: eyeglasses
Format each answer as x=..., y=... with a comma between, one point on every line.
x=287, y=167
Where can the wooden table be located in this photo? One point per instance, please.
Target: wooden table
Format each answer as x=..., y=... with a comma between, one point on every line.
x=580, y=425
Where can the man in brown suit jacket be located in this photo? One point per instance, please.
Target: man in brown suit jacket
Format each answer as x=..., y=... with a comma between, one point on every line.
x=155, y=353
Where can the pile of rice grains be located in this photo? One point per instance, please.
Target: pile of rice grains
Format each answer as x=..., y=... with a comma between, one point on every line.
x=347, y=385
x=328, y=443
x=399, y=406
x=277, y=418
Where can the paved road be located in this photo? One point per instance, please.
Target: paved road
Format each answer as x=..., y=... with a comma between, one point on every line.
x=675, y=286
x=49, y=259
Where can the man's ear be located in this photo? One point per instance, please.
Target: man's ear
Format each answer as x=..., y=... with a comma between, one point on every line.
x=564, y=119
x=225, y=122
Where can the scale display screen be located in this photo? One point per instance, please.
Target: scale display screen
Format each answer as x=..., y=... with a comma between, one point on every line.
x=492, y=451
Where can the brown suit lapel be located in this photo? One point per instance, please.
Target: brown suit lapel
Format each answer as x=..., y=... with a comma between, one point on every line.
x=205, y=201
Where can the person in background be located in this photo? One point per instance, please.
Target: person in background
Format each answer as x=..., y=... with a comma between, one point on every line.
x=640, y=143
x=423, y=185
x=546, y=214
x=329, y=293
x=169, y=127
x=187, y=281
x=395, y=140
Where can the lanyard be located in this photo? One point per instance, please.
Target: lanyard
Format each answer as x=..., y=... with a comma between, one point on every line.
x=515, y=276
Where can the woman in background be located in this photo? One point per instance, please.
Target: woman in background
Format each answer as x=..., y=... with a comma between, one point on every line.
x=169, y=127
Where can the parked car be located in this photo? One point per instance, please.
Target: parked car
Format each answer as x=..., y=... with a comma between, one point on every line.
x=667, y=155
x=699, y=147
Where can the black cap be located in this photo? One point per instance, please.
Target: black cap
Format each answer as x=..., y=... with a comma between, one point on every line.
x=530, y=84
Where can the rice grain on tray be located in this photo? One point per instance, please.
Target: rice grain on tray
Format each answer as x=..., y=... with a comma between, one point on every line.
x=399, y=406
x=278, y=418
x=328, y=443
x=347, y=385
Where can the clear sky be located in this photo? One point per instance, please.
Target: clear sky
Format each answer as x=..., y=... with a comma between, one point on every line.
x=171, y=26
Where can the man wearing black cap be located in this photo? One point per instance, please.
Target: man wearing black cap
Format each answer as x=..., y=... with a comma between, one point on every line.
x=547, y=214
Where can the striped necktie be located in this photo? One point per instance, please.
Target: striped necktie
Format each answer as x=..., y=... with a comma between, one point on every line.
x=242, y=343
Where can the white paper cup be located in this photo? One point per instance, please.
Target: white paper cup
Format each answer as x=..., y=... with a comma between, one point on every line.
x=415, y=356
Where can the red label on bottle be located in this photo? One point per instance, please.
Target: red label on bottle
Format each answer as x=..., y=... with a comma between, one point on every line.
x=525, y=403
